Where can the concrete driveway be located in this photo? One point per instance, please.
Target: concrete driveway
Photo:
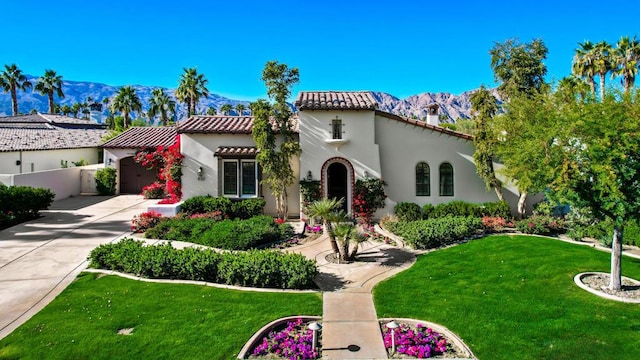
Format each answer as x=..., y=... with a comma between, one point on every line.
x=38, y=259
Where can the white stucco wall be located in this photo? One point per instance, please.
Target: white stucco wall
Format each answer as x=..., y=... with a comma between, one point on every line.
x=44, y=159
x=111, y=159
x=198, y=151
x=62, y=182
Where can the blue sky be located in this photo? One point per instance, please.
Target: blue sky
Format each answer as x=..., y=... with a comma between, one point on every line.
x=401, y=47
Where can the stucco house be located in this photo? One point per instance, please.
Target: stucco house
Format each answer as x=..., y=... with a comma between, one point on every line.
x=343, y=137
x=37, y=142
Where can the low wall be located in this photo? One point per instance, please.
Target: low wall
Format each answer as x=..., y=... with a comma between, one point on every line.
x=63, y=182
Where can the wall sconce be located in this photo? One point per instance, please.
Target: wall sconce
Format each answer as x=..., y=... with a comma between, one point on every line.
x=309, y=176
x=109, y=161
x=366, y=174
x=200, y=173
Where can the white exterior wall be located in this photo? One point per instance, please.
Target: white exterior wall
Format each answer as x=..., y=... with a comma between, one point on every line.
x=404, y=145
x=112, y=159
x=198, y=151
x=44, y=159
x=62, y=182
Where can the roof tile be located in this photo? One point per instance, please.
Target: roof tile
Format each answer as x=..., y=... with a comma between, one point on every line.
x=216, y=124
x=236, y=151
x=335, y=100
x=143, y=137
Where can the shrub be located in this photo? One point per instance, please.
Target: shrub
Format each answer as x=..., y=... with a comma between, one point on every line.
x=540, y=225
x=106, y=181
x=427, y=211
x=242, y=234
x=495, y=224
x=22, y=203
x=495, y=209
x=253, y=268
x=145, y=221
x=247, y=208
x=181, y=229
x=407, y=211
x=153, y=191
x=243, y=209
x=433, y=233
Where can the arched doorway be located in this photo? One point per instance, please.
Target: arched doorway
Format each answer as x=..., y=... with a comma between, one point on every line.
x=133, y=176
x=338, y=183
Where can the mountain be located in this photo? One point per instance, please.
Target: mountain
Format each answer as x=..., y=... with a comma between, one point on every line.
x=452, y=106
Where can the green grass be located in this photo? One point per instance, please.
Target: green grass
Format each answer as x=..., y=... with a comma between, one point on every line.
x=171, y=321
x=513, y=297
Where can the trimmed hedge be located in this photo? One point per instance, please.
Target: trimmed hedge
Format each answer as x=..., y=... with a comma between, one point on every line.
x=242, y=209
x=433, y=233
x=226, y=234
x=407, y=211
x=256, y=268
x=22, y=203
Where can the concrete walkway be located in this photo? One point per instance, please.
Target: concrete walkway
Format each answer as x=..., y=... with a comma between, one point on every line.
x=38, y=259
x=349, y=319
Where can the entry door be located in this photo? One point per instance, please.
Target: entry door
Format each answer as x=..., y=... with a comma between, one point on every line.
x=337, y=184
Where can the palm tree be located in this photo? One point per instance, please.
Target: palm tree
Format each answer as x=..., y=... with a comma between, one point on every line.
x=11, y=80
x=49, y=84
x=626, y=57
x=239, y=109
x=211, y=110
x=191, y=88
x=602, y=61
x=161, y=104
x=65, y=109
x=326, y=209
x=75, y=109
x=583, y=66
x=226, y=108
x=126, y=101
x=572, y=87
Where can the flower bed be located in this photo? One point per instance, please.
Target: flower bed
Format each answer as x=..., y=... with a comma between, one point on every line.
x=295, y=341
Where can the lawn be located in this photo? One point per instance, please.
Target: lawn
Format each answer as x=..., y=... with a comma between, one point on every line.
x=513, y=297
x=170, y=321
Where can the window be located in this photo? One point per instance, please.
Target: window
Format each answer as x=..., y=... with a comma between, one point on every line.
x=240, y=178
x=423, y=181
x=336, y=128
x=446, y=179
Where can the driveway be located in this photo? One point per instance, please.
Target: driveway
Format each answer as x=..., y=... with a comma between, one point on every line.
x=38, y=259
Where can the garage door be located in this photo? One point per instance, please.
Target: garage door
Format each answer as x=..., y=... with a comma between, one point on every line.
x=133, y=176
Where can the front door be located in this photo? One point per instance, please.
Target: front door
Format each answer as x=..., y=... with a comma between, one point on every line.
x=337, y=184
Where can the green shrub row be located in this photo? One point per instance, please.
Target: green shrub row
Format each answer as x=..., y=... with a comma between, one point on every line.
x=541, y=225
x=603, y=231
x=433, y=233
x=242, y=209
x=407, y=211
x=225, y=234
x=256, y=268
x=22, y=203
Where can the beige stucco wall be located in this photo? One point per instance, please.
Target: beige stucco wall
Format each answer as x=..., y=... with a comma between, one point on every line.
x=199, y=150
x=44, y=159
x=112, y=158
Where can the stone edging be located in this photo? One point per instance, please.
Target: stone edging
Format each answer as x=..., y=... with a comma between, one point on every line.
x=450, y=335
x=578, y=280
x=244, y=353
x=195, y=282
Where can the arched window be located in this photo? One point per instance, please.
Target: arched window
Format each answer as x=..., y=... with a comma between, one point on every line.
x=446, y=179
x=423, y=179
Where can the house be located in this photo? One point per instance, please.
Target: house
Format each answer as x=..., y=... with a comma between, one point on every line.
x=36, y=142
x=344, y=137
x=119, y=153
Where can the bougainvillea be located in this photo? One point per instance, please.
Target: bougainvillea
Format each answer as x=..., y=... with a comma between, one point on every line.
x=369, y=196
x=294, y=342
x=421, y=342
x=144, y=221
x=168, y=162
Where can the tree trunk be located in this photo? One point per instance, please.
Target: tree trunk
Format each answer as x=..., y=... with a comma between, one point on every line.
x=51, y=105
x=332, y=238
x=14, y=101
x=126, y=120
x=592, y=86
x=616, y=254
x=498, y=189
x=602, y=80
x=522, y=204
x=285, y=203
x=344, y=255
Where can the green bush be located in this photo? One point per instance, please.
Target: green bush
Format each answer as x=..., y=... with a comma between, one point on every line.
x=22, y=203
x=180, y=229
x=242, y=234
x=427, y=211
x=433, y=233
x=106, y=181
x=407, y=211
x=247, y=208
x=541, y=225
x=462, y=208
x=495, y=209
x=242, y=209
x=254, y=268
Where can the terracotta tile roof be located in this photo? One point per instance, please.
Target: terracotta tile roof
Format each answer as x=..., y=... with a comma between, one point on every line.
x=47, y=119
x=335, y=100
x=143, y=137
x=423, y=124
x=54, y=138
x=236, y=151
x=216, y=124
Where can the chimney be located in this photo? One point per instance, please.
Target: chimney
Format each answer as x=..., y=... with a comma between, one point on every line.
x=433, y=114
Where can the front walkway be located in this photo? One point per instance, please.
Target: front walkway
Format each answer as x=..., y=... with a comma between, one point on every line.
x=39, y=258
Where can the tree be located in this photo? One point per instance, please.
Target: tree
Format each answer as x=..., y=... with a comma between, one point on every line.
x=519, y=68
x=239, y=109
x=572, y=88
x=75, y=109
x=126, y=101
x=211, y=110
x=226, y=108
x=485, y=107
x=271, y=121
x=602, y=62
x=325, y=209
x=65, y=109
x=626, y=57
x=583, y=64
x=191, y=88
x=161, y=104
x=50, y=84
x=600, y=167
x=11, y=80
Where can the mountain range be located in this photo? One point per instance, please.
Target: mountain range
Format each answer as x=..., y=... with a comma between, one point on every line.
x=452, y=107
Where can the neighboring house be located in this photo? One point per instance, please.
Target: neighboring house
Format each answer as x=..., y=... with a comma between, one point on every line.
x=343, y=138
x=37, y=142
x=119, y=153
